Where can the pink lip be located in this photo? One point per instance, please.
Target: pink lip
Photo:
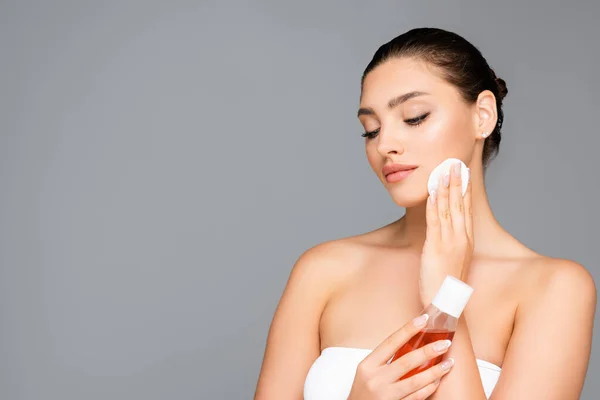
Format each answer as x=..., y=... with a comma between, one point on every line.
x=397, y=172
x=398, y=176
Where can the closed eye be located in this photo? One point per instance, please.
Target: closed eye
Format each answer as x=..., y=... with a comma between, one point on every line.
x=371, y=134
x=418, y=120
x=412, y=122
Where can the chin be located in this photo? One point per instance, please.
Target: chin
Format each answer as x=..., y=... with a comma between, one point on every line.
x=408, y=196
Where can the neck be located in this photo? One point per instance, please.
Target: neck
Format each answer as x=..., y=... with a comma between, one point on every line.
x=488, y=233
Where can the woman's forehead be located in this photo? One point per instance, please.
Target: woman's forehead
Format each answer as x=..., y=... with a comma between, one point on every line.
x=397, y=77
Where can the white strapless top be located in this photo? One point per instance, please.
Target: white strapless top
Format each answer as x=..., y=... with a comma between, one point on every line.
x=332, y=374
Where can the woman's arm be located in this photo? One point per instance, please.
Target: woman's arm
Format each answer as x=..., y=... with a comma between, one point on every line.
x=464, y=381
x=293, y=341
x=548, y=353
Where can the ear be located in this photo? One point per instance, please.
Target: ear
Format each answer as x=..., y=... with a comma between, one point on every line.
x=485, y=114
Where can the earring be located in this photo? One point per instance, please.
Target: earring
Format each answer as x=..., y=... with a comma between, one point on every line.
x=484, y=134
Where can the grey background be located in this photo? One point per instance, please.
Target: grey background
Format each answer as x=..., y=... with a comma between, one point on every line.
x=163, y=164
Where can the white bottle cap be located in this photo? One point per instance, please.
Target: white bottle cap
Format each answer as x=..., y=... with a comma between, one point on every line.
x=452, y=297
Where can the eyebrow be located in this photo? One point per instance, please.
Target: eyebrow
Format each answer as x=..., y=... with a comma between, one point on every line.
x=396, y=101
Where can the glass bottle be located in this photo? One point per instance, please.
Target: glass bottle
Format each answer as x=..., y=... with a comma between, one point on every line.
x=444, y=312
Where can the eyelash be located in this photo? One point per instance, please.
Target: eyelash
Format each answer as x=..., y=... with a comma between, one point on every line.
x=413, y=122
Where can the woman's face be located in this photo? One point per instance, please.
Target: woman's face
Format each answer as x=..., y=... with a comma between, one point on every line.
x=416, y=119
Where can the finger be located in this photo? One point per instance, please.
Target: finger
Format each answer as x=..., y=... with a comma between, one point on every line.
x=432, y=218
x=424, y=392
x=469, y=209
x=457, y=209
x=416, y=358
x=386, y=349
x=423, y=379
x=443, y=207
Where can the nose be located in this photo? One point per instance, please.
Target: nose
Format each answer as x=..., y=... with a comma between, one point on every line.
x=389, y=142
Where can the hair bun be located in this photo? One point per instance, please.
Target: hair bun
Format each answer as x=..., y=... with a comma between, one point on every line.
x=501, y=84
x=502, y=90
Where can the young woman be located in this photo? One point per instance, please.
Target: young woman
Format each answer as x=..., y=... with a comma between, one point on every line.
x=349, y=304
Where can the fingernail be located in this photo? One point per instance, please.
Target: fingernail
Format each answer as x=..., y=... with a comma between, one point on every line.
x=441, y=346
x=421, y=320
x=468, y=174
x=456, y=169
x=446, y=180
x=447, y=364
x=433, y=196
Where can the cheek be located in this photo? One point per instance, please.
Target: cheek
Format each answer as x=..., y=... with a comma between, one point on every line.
x=445, y=137
x=373, y=156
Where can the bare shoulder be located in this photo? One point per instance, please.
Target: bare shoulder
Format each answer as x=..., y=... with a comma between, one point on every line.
x=293, y=341
x=558, y=303
x=564, y=275
x=318, y=273
x=330, y=263
x=572, y=276
x=560, y=279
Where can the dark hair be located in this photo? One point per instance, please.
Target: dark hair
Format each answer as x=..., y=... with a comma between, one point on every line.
x=459, y=62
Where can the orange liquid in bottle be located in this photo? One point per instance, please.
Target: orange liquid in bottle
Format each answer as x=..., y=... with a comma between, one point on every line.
x=419, y=340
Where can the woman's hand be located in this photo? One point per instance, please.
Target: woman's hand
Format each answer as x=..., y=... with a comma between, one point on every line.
x=377, y=380
x=448, y=245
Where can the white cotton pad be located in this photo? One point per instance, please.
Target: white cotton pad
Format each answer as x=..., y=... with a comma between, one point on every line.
x=444, y=168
